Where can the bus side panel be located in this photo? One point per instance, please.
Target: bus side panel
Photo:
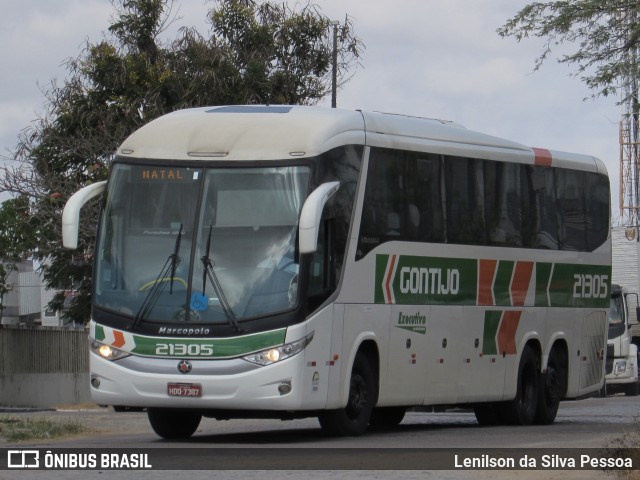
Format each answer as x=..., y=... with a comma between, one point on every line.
x=362, y=323
x=485, y=334
x=334, y=361
x=407, y=363
x=317, y=362
x=442, y=354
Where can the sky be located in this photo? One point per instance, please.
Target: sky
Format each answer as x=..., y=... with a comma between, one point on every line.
x=431, y=58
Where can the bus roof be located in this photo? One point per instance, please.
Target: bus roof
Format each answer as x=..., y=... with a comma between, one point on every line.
x=277, y=132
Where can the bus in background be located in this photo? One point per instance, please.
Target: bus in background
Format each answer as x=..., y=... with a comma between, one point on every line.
x=288, y=262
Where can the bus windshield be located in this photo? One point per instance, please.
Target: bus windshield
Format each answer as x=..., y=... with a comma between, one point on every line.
x=204, y=245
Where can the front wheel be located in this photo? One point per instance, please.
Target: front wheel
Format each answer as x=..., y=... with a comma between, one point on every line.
x=173, y=424
x=354, y=418
x=387, y=416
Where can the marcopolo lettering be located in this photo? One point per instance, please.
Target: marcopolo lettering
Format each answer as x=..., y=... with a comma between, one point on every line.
x=183, y=331
x=429, y=281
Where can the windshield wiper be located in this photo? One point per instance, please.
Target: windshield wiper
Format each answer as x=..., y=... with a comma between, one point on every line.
x=158, y=285
x=210, y=273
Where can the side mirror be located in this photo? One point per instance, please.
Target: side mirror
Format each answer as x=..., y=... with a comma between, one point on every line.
x=71, y=213
x=311, y=215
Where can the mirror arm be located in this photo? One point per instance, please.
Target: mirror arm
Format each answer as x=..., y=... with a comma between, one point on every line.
x=311, y=215
x=71, y=213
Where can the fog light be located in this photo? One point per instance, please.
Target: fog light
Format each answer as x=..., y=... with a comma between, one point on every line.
x=95, y=382
x=284, y=388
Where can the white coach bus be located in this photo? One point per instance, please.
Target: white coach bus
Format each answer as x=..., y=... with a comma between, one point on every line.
x=287, y=262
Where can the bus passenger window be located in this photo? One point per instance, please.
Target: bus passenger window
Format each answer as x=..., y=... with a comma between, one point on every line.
x=570, y=200
x=597, y=201
x=464, y=186
x=542, y=223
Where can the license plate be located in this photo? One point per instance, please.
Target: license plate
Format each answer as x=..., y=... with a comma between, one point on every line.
x=184, y=389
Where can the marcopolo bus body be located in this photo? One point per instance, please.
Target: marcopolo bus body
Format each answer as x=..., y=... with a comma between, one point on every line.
x=276, y=261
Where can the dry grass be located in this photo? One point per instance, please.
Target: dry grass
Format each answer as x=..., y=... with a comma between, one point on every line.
x=17, y=429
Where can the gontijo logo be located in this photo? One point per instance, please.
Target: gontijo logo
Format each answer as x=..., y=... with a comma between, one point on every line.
x=414, y=280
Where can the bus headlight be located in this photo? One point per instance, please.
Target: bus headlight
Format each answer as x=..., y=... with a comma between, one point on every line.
x=107, y=352
x=276, y=354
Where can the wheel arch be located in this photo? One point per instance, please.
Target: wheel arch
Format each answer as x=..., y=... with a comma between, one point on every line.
x=368, y=345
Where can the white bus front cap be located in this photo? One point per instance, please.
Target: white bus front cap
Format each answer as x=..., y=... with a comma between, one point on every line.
x=311, y=215
x=71, y=213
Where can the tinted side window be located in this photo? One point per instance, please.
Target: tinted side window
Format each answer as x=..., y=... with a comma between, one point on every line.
x=464, y=187
x=383, y=200
x=503, y=204
x=570, y=194
x=403, y=199
x=426, y=200
x=424, y=197
x=542, y=220
x=597, y=203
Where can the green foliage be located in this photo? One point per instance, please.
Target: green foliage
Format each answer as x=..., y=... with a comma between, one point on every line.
x=606, y=35
x=256, y=53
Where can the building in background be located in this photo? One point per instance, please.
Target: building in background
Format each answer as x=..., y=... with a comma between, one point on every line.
x=25, y=303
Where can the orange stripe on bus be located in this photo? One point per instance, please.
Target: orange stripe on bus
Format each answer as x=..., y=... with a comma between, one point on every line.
x=543, y=157
x=485, y=282
x=507, y=332
x=120, y=340
x=520, y=282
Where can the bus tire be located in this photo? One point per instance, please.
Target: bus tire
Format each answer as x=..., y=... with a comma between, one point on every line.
x=487, y=414
x=522, y=409
x=387, y=416
x=354, y=418
x=553, y=386
x=173, y=424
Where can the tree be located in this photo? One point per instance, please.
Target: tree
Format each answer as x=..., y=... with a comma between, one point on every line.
x=606, y=33
x=256, y=53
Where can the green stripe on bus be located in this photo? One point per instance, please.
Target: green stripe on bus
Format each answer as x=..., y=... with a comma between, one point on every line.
x=381, y=266
x=100, y=335
x=491, y=325
x=220, y=347
x=502, y=283
x=428, y=280
x=543, y=273
x=417, y=280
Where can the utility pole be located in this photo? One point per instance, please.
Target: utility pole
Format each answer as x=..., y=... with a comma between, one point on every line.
x=334, y=81
x=630, y=145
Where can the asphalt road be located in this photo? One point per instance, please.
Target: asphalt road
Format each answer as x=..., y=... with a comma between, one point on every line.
x=585, y=424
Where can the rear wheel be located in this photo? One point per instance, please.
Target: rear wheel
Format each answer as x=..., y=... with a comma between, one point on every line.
x=354, y=418
x=173, y=424
x=522, y=409
x=487, y=414
x=553, y=386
